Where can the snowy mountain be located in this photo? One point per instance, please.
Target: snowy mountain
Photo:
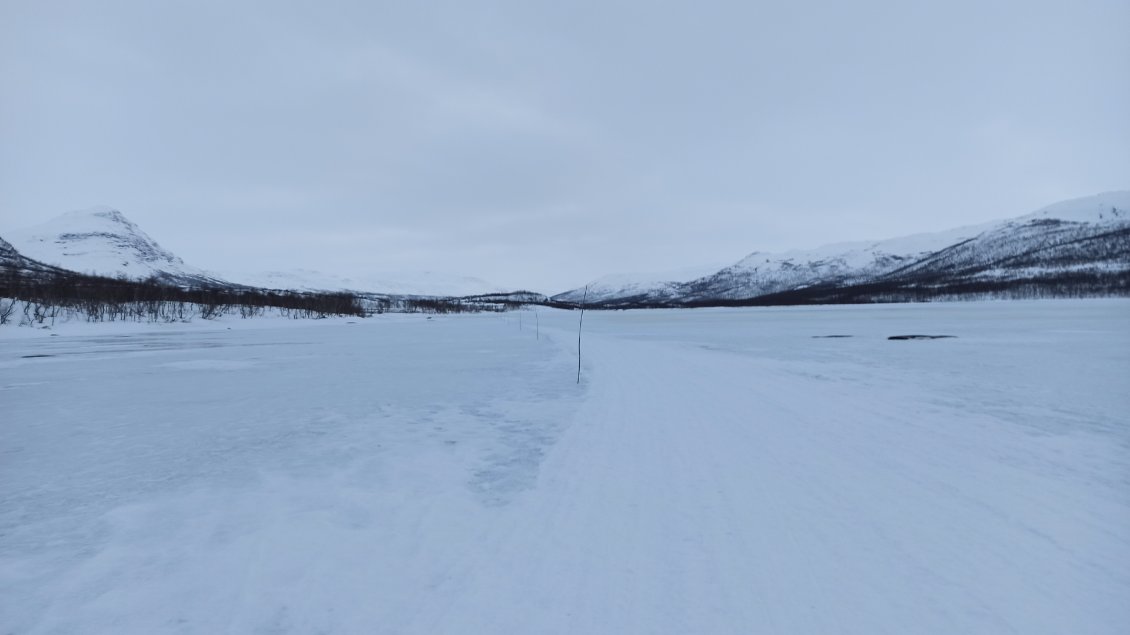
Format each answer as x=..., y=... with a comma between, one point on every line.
x=1088, y=235
x=1081, y=241
x=652, y=285
x=102, y=241
x=843, y=263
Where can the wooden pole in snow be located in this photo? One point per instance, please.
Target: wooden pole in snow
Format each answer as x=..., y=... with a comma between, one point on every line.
x=580, y=324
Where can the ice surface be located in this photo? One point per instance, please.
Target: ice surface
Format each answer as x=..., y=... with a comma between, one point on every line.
x=717, y=471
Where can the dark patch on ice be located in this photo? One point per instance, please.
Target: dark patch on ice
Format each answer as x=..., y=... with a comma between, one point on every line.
x=31, y=356
x=823, y=337
x=920, y=337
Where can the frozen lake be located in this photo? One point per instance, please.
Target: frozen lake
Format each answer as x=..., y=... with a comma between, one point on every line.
x=717, y=471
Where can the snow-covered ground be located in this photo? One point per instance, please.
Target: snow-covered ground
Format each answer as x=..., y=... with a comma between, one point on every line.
x=717, y=471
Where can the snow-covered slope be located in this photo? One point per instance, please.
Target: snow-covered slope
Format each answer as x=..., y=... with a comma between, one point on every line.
x=842, y=263
x=427, y=283
x=104, y=242
x=13, y=262
x=1085, y=234
x=9, y=256
x=1100, y=208
x=644, y=285
x=1093, y=236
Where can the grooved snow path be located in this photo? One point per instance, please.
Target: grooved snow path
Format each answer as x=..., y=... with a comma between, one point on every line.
x=700, y=492
x=719, y=472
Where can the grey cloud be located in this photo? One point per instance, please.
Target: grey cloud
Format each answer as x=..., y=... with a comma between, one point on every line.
x=573, y=138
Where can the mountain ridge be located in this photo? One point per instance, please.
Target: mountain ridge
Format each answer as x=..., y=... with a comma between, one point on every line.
x=101, y=240
x=1077, y=246
x=1083, y=235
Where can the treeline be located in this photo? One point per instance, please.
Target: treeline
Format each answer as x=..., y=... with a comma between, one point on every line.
x=380, y=303
x=489, y=302
x=1071, y=284
x=452, y=305
x=43, y=296
x=1080, y=284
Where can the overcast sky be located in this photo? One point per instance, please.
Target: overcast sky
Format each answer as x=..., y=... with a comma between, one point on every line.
x=541, y=145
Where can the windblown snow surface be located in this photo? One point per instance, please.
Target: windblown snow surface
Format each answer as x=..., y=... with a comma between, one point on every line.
x=717, y=471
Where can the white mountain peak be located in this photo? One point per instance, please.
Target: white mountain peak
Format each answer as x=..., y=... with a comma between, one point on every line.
x=98, y=240
x=103, y=241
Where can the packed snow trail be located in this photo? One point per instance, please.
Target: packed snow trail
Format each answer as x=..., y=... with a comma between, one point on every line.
x=699, y=492
x=716, y=472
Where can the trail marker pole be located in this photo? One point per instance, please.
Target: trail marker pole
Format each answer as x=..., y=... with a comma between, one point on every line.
x=580, y=324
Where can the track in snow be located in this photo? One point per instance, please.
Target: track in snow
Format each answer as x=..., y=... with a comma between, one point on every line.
x=718, y=472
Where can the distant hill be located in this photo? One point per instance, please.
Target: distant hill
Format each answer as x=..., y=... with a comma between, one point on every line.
x=102, y=241
x=1076, y=247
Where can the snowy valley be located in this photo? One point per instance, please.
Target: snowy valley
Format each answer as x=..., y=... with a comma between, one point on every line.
x=561, y=318
x=1075, y=248
x=927, y=467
